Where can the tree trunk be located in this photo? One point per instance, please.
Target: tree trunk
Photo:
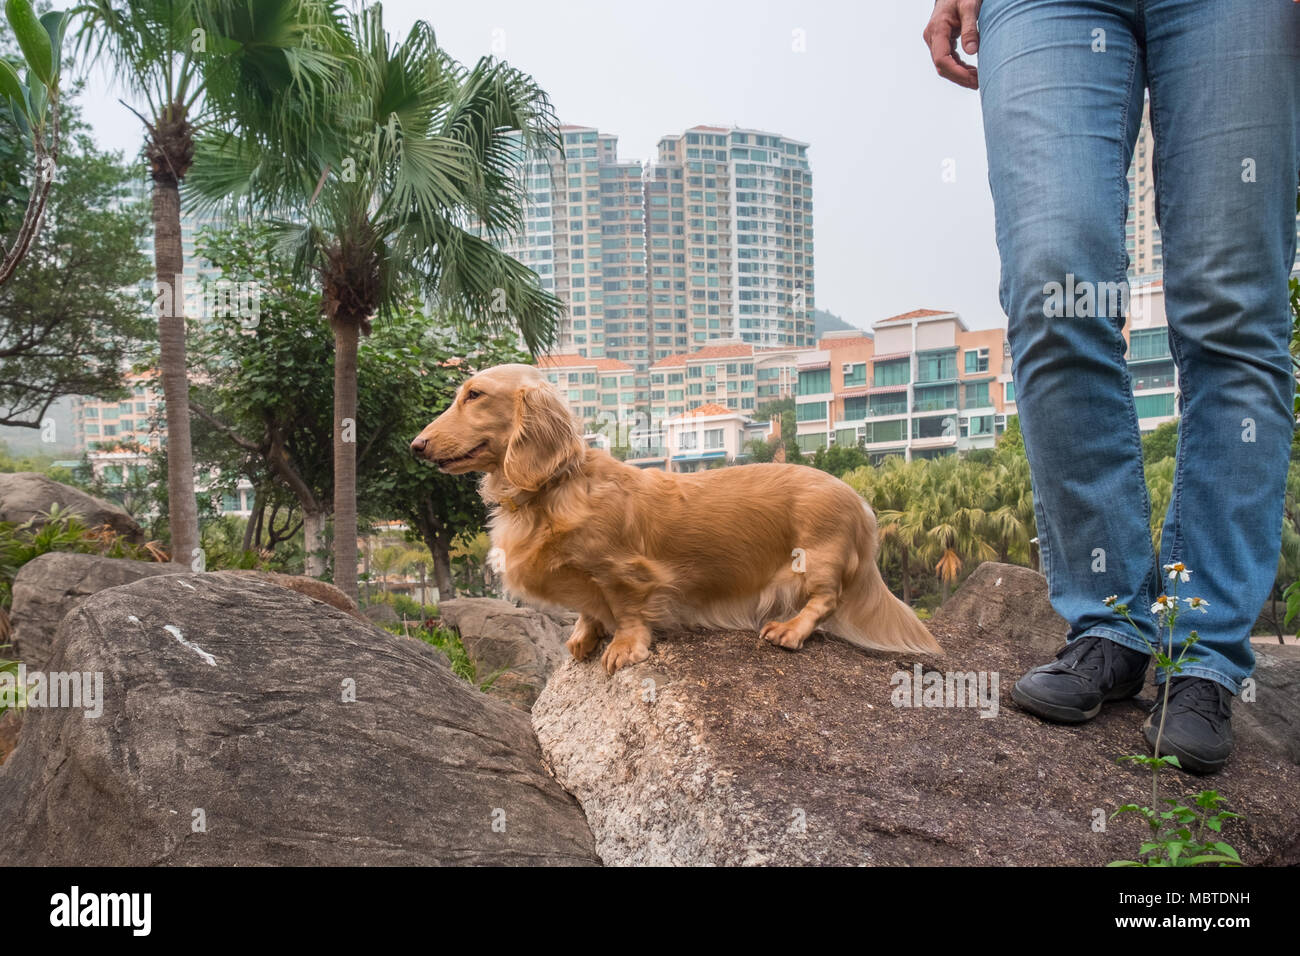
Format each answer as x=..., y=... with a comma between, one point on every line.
x=169, y=270
x=907, y=578
x=346, y=334
x=251, y=524
x=313, y=538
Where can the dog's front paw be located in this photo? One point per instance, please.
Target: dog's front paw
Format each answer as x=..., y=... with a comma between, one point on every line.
x=582, y=643
x=622, y=653
x=787, y=634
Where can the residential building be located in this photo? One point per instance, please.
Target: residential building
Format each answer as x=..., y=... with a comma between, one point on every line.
x=707, y=436
x=136, y=419
x=601, y=393
x=736, y=262
x=713, y=241
x=1150, y=361
x=584, y=236
x=733, y=374
x=925, y=386
x=119, y=437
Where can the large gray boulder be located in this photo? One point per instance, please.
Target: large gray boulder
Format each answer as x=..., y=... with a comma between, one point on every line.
x=1270, y=710
x=49, y=586
x=722, y=749
x=228, y=736
x=1008, y=603
x=27, y=494
x=517, y=648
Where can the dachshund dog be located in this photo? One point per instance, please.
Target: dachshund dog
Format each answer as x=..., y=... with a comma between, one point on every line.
x=631, y=550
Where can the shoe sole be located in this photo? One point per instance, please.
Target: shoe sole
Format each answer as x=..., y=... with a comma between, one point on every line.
x=1060, y=714
x=1188, y=761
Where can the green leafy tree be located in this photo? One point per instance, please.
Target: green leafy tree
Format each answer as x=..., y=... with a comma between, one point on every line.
x=410, y=173
x=196, y=64
x=1160, y=443
x=438, y=508
x=30, y=108
x=74, y=315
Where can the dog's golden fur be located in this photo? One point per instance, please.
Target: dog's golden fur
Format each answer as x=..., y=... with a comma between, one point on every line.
x=633, y=549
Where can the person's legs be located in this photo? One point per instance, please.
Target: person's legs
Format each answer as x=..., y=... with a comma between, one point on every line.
x=1062, y=91
x=1225, y=112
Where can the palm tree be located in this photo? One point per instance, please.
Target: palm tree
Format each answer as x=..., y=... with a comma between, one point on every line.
x=33, y=109
x=402, y=185
x=195, y=64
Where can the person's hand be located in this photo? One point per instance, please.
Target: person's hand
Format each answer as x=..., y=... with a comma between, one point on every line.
x=951, y=19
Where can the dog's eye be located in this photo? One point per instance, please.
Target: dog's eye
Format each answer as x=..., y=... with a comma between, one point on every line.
x=472, y=394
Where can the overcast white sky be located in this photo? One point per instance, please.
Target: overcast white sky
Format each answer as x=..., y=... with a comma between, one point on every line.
x=890, y=234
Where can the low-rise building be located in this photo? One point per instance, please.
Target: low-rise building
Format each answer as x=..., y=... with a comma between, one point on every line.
x=924, y=385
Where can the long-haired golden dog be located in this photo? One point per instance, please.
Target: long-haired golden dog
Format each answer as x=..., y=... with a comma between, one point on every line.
x=633, y=549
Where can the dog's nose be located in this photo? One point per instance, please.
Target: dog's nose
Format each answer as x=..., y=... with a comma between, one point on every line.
x=417, y=447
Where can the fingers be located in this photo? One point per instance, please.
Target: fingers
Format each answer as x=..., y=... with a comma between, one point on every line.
x=969, y=10
x=953, y=18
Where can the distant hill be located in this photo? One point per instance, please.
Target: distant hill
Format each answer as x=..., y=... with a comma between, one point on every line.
x=830, y=322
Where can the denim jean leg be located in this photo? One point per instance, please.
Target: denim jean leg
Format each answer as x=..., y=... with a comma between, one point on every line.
x=1061, y=87
x=1225, y=107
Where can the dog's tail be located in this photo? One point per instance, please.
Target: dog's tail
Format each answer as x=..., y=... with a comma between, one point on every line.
x=870, y=616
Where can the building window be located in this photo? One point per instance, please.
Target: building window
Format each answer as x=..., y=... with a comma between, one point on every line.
x=894, y=403
x=855, y=409
x=894, y=372
x=935, y=398
x=942, y=426
x=1010, y=392
x=812, y=442
x=939, y=365
x=811, y=411
x=1148, y=344
x=1155, y=406
x=855, y=375
x=1152, y=375
x=977, y=394
x=713, y=439
x=977, y=360
x=817, y=382
x=887, y=431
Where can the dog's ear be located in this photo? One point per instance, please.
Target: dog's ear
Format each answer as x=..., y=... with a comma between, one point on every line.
x=545, y=438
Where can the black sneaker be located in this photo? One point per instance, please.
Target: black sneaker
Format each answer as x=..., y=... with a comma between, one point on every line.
x=1087, y=673
x=1198, y=728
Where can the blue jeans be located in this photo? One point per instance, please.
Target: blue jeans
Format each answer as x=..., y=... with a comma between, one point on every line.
x=1060, y=119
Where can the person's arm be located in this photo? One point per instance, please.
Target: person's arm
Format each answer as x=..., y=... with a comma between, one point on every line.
x=951, y=19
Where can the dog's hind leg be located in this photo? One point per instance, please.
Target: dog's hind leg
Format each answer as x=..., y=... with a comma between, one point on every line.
x=823, y=591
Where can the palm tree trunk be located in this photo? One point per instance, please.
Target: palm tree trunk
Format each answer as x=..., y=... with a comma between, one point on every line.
x=346, y=334
x=169, y=270
x=251, y=525
x=907, y=578
x=313, y=536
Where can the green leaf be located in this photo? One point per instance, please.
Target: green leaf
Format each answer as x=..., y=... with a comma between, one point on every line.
x=32, y=39
x=11, y=87
x=1227, y=850
x=55, y=23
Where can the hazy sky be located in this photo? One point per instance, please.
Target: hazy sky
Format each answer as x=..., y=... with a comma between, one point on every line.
x=891, y=235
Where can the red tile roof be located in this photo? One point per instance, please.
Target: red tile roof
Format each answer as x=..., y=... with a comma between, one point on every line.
x=708, y=352
x=854, y=341
x=710, y=408
x=579, y=361
x=914, y=314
